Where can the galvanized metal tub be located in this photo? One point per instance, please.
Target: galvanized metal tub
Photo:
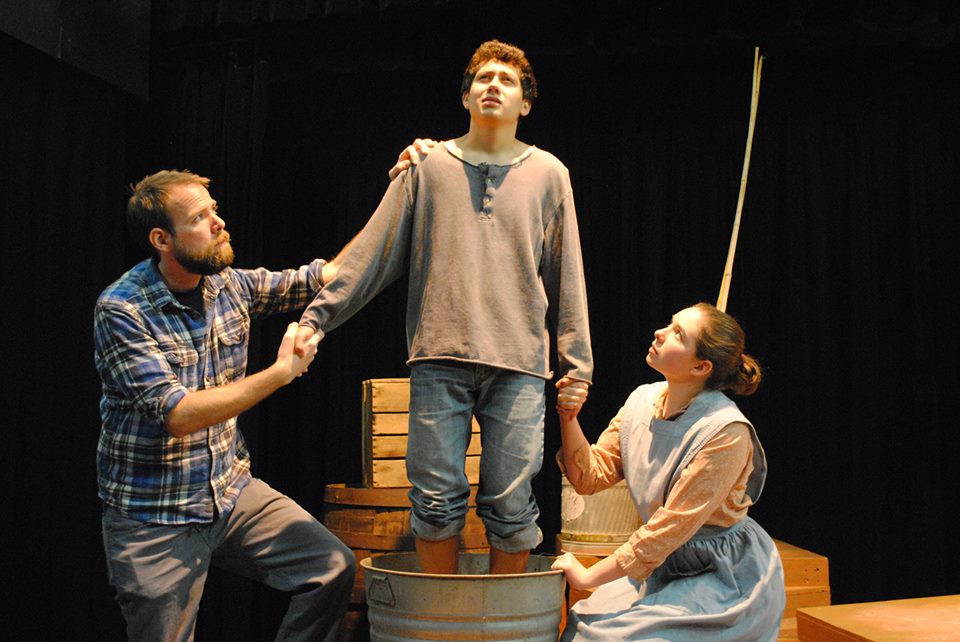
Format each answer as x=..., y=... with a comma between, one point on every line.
x=406, y=604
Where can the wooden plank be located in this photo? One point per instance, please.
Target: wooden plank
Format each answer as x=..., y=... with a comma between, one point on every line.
x=392, y=473
x=386, y=395
x=802, y=596
x=348, y=495
x=924, y=619
x=802, y=567
x=396, y=423
x=400, y=541
x=395, y=447
x=788, y=629
x=391, y=448
x=389, y=423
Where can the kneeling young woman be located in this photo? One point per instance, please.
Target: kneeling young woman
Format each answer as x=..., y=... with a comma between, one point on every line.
x=699, y=567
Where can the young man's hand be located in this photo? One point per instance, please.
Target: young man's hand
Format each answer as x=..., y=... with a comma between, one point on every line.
x=571, y=395
x=299, y=342
x=295, y=362
x=411, y=155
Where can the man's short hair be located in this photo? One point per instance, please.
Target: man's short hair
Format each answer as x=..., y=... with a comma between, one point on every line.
x=147, y=207
x=505, y=53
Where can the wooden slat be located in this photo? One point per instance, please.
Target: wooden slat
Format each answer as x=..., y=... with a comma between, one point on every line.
x=364, y=496
x=386, y=395
x=396, y=423
x=395, y=447
x=392, y=473
x=788, y=629
x=803, y=596
x=380, y=497
x=802, y=567
x=400, y=542
x=389, y=423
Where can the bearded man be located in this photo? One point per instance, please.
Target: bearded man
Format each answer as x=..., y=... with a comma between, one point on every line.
x=171, y=339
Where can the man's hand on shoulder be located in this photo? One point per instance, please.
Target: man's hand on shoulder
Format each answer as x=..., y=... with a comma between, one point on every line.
x=411, y=155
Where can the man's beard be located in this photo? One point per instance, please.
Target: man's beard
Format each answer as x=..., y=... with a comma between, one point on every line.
x=213, y=260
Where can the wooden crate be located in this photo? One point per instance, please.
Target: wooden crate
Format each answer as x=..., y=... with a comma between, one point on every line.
x=806, y=578
x=924, y=619
x=385, y=416
x=372, y=521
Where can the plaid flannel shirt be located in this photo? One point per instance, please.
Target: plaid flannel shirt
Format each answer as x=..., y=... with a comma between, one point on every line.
x=150, y=352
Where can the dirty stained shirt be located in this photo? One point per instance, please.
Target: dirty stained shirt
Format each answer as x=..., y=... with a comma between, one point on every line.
x=494, y=263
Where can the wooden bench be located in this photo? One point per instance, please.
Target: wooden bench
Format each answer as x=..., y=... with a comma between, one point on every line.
x=923, y=619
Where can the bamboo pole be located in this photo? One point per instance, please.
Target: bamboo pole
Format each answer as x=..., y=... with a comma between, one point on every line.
x=732, y=251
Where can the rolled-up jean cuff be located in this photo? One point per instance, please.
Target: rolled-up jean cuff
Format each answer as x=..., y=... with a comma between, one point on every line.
x=523, y=540
x=432, y=533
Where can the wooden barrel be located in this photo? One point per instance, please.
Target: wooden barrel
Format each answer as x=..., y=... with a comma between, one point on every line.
x=371, y=521
x=596, y=524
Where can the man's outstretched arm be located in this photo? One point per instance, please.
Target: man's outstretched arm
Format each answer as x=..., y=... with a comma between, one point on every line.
x=201, y=409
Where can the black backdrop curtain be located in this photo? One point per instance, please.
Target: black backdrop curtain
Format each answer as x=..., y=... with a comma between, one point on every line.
x=62, y=170
x=844, y=277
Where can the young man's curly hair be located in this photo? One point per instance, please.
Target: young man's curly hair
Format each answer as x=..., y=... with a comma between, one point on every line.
x=505, y=53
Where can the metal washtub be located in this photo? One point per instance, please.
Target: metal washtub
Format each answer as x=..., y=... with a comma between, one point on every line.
x=405, y=604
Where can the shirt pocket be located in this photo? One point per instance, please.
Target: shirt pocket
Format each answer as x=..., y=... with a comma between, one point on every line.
x=183, y=360
x=180, y=356
x=231, y=333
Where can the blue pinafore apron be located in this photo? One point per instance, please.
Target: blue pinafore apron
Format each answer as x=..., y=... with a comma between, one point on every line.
x=725, y=583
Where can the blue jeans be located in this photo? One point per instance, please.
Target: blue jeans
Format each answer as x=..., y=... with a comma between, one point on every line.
x=509, y=406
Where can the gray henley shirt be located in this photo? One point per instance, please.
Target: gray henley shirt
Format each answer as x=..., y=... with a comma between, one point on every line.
x=493, y=256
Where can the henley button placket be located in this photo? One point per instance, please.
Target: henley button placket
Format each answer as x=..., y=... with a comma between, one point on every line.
x=486, y=210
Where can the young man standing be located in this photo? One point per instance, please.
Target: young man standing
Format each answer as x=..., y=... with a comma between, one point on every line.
x=486, y=228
